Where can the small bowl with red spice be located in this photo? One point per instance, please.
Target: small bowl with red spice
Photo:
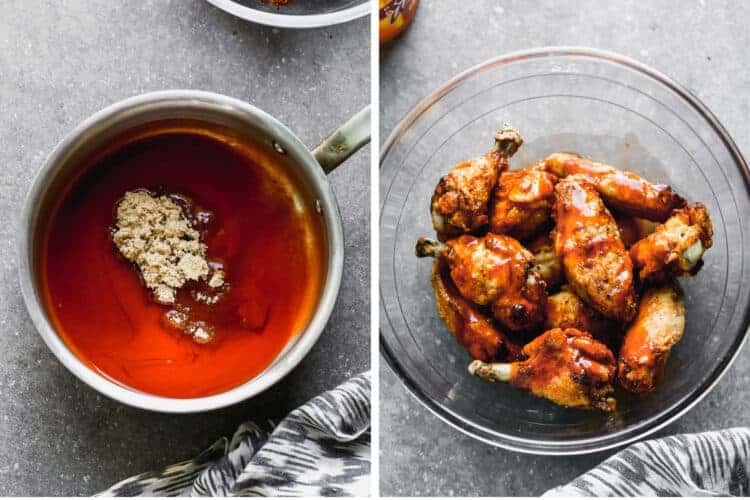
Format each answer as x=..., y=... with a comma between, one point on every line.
x=182, y=250
x=295, y=13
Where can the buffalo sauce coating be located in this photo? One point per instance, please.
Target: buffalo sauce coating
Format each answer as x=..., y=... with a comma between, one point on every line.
x=650, y=338
x=460, y=201
x=625, y=191
x=270, y=251
x=496, y=270
x=594, y=257
x=471, y=328
x=675, y=247
x=568, y=367
x=484, y=268
x=522, y=202
x=566, y=310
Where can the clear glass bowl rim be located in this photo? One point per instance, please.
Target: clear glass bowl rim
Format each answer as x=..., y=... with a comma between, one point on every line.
x=647, y=427
x=293, y=21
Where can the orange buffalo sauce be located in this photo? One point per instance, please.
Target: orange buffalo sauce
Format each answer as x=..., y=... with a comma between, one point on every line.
x=264, y=232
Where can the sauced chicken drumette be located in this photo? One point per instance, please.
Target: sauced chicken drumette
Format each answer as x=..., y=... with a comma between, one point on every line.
x=471, y=328
x=567, y=367
x=493, y=270
x=546, y=262
x=522, y=202
x=566, y=310
x=650, y=338
x=460, y=202
x=624, y=191
x=588, y=243
x=676, y=247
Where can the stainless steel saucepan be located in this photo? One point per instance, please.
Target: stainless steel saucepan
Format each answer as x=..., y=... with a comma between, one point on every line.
x=239, y=116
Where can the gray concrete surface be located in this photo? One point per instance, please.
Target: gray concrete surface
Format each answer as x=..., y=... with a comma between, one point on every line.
x=61, y=62
x=700, y=44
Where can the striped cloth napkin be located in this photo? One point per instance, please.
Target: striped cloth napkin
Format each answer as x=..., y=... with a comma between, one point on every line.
x=320, y=449
x=706, y=464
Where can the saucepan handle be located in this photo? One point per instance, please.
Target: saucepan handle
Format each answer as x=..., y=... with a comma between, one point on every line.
x=351, y=136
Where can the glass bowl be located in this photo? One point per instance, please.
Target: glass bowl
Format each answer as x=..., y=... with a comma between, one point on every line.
x=604, y=106
x=297, y=13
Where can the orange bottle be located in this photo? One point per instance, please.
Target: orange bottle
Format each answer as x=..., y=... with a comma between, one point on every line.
x=395, y=16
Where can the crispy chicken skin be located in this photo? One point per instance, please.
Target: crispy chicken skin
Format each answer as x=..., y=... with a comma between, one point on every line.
x=566, y=310
x=471, y=328
x=588, y=243
x=522, y=202
x=649, y=339
x=567, y=367
x=676, y=247
x=623, y=191
x=494, y=270
x=460, y=202
x=546, y=263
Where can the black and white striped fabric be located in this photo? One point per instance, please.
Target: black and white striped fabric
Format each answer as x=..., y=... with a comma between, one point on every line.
x=707, y=464
x=320, y=449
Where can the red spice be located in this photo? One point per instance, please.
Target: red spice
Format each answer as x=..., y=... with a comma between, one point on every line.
x=273, y=256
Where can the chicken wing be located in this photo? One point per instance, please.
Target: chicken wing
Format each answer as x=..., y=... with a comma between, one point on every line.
x=460, y=202
x=522, y=202
x=546, y=262
x=624, y=191
x=566, y=310
x=493, y=270
x=657, y=328
x=676, y=247
x=592, y=253
x=567, y=367
x=633, y=229
x=467, y=324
